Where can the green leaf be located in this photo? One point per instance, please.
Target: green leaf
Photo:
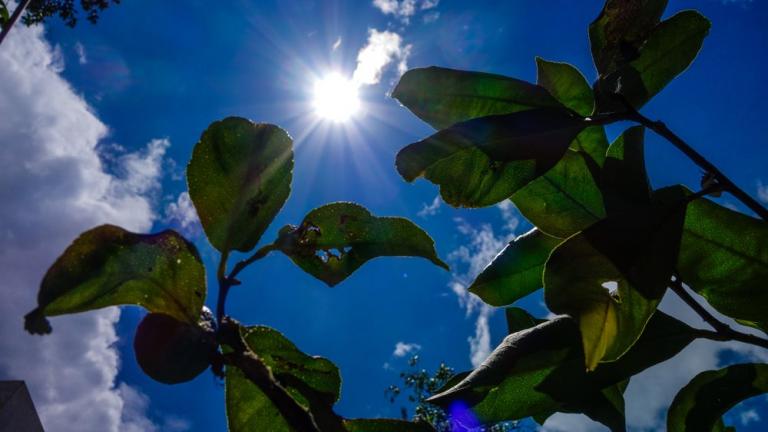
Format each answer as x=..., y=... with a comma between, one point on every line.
x=524, y=375
x=386, y=425
x=4, y=15
x=700, y=405
x=669, y=50
x=109, y=266
x=516, y=271
x=571, y=89
x=636, y=252
x=566, y=199
x=566, y=84
x=620, y=30
x=306, y=379
x=724, y=257
x=625, y=183
x=519, y=147
x=443, y=97
x=239, y=178
x=356, y=236
x=519, y=319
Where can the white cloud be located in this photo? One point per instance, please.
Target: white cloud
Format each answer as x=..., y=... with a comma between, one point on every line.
x=82, y=57
x=749, y=416
x=402, y=349
x=182, y=214
x=430, y=209
x=404, y=9
x=336, y=44
x=762, y=192
x=468, y=261
x=53, y=185
x=382, y=49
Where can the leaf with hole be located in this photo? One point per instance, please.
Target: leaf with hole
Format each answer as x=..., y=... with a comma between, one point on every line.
x=239, y=177
x=700, y=405
x=724, y=257
x=311, y=381
x=669, y=50
x=612, y=275
x=336, y=239
x=516, y=271
x=108, y=266
x=621, y=29
x=518, y=148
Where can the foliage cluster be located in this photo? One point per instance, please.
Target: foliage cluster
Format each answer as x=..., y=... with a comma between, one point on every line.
x=606, y=246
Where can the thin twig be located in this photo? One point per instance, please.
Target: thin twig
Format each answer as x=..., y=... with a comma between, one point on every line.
x=12, y=20
x=723, y=332
x=228, y=281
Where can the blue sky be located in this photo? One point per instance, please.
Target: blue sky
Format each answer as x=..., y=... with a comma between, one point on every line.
x=155, y=71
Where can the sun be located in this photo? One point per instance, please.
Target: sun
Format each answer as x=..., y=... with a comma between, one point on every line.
x=336, y=98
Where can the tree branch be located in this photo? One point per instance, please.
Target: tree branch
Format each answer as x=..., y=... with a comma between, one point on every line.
x=12, y=20
x=661, y=129
x=723, y=332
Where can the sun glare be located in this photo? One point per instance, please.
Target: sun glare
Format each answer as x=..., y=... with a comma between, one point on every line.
x=336, y=98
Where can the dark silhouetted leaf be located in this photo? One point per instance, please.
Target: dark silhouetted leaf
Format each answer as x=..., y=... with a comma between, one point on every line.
x=516, y=271
x=625, y=183
x=620, y=30
x=386, y=425
x=724, y=257
x=239, y=178
x=700, y=405
x=634, y=251
x=525, y=375
x=443, y=97
x=307, y=379
x=336, y=239
x=566, y=199
x=670, y=49
x=109, y=266
x=519, y=147
x=519, y=319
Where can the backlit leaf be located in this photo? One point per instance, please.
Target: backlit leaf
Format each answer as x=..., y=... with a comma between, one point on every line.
x=516, y=271
x=443, y=97
x=519, y=319
x=519, y=148
x=239, y=178
x=632, y=254
x=724, y=257
x=700, y=405
x=307, y=379
x=670, y=49
x=109, y=266
x=336, y=239
x=386, y=425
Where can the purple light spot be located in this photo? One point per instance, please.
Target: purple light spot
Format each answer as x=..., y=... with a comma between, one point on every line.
x=461, y=417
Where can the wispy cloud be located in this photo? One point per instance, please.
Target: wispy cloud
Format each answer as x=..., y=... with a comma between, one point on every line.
x=403, y=10
x=430, y=209
x=468, y=261
x=53, y=185
x=82, y=58
x=182, y=214
x=382, y=49
x=402, y=349
x=762, y=192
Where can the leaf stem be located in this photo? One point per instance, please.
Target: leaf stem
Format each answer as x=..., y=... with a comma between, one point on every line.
x=12, y=20
x=228, y=281
x=722, y=332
